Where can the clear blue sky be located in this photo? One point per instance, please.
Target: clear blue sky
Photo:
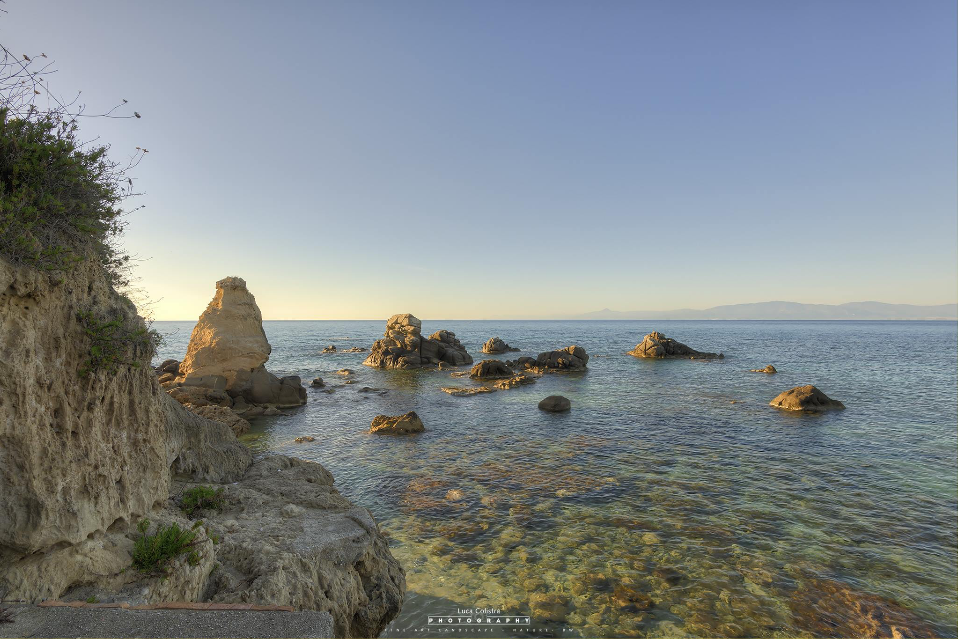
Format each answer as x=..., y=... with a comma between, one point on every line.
x=525, y=159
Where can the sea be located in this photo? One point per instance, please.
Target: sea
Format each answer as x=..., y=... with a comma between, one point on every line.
x=672, y=500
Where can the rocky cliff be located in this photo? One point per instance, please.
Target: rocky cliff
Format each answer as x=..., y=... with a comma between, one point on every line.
x=90, y=445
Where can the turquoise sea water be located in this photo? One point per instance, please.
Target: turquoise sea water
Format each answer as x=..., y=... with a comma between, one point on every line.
x=672, y=499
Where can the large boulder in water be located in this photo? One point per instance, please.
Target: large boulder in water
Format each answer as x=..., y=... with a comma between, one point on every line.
x=228, y=351
x=657, y=345
x=807, y=399
x=402, y=346
x=555, y=404
x=564, y=360
x=496, y=345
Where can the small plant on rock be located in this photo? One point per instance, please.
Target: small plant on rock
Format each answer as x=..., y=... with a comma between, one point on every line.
x=153, y=553
x=201, y=498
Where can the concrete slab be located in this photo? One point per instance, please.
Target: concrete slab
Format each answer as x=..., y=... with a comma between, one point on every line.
x=90, y=621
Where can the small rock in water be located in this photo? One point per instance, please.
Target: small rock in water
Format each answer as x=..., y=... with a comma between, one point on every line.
x=490, y=369
x=345, y=371
x=329, y=349
x=657, y=345
x=807, y=399
x=768, y=369
x=397, y=425
x=304, y=438
x=318, y=382
x=555, y=404
x=515, y=382
x=461, y=391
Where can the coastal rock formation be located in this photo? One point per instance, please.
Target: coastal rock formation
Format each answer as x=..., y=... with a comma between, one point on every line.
x=87, y=452
x=490, y=369
x=399, y=425
x=496, y=345
x=768, y=369
x=228, y=351
x=402, y=346
x=514, y=382
x=657, y=345
x=807, y=399
x=565, y=360
x=555, y=404
x=223, y=415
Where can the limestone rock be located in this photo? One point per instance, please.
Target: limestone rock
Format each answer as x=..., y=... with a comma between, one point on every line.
x=104, y=444
x=402, y=346
x=229, y=335
x=223, y=415
x=806, y=398
x=398, y=425
x=228, y=351
x=555, y=404
x=768, y=369
x=657, y=345
x=496, y=345
x=490, y=369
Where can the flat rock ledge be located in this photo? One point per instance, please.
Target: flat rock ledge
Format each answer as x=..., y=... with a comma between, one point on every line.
x=407, y=424
x=806, y=399
x=402, y=346
x=658, y=346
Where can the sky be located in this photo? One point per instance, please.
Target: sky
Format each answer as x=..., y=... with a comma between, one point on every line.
x=531, y=159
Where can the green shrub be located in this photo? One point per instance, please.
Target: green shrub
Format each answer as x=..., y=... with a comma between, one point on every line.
x=59, y=198
x=116, y=341
x=201, y=498
x=153, y=553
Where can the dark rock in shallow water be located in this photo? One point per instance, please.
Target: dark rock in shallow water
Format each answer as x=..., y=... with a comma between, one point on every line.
x=555, y=404
x=807, y=399
x=399, y=425
x=565, y=360
x=490, y=369
x=329, y=349
x=496, y=345
x=657, y=345
x=318, y=382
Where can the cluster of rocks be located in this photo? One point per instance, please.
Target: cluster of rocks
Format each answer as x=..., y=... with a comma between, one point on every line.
x=92, y=460
x=355, y=349
x=495, y=345
x=570, y=359
x=226, y=356
x=657, y=345
x=403, y=347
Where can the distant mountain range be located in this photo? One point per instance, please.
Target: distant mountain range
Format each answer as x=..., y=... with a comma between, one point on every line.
x=789, y=311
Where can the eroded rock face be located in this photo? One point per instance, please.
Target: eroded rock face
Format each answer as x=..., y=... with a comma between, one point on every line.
x=397, y=425
x=807, y=399
x=228, y=351
x=565, y=360
x=104, y=444
x=657, y=345
x=229, y=335
x=490, y=369
x=496, y=345
x=403, y=346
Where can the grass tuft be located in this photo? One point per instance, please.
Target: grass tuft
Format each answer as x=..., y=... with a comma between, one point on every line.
x=201, y=498
x=153, y=553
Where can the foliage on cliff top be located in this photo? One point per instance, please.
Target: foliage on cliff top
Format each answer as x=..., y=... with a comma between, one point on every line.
x=59, y=196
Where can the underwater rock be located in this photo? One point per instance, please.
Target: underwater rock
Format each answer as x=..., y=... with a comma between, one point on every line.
x=496, y=345
x=398, y=425
x=514, y=382
x=463, y=391
x=806, y=398
x=304, y=438
x=552, y=607
x=555, y=404
x=657, y=345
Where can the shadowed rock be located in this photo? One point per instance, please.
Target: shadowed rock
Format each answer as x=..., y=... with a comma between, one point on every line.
x=555, y=404
x=496, y=345
x=657, y=345
x=806, y=398
x=565, y=360
x=490, y=369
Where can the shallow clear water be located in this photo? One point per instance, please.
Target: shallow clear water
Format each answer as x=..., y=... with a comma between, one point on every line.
x=672, y=499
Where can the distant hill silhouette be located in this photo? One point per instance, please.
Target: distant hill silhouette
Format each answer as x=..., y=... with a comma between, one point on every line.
x=790, y=311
